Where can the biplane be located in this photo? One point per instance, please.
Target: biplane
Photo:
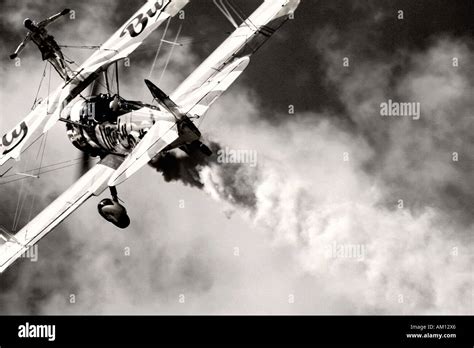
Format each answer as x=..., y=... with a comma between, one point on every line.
x=125, y=135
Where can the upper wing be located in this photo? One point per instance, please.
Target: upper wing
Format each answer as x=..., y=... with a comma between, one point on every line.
x=132, y=33
x=225, y=64
x=208, y=93
x=119, y=46
x=94, y=182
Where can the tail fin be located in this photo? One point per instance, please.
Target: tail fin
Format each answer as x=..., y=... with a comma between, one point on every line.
x=163, y=99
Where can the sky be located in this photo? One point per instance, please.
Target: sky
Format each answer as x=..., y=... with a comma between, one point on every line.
x=346, y=211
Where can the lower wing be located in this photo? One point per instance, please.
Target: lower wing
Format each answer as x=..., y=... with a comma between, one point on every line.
x=93, y=183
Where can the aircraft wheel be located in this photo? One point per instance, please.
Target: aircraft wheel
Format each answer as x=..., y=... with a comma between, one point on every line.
x=114, y=212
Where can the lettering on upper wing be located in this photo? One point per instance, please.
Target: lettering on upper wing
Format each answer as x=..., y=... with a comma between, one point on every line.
x=14, y=138
x=139, y=23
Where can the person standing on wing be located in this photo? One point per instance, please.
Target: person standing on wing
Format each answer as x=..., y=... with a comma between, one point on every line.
x=49, y=48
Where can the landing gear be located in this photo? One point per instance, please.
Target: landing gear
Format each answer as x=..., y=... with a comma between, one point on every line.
x=112, y=211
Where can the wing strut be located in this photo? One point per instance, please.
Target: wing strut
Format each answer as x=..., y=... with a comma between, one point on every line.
x=117, y=76
x=170, y=54
x=159, y=48
x=226, y=7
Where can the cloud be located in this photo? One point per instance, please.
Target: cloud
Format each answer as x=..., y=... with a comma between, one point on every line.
x=413, y=158
x=309, y=198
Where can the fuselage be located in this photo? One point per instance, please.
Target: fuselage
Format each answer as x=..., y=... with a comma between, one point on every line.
x=105, y=124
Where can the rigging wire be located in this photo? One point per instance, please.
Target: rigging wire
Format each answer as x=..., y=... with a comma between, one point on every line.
x=33, y=200
x=170, y=54
x=238, y=14
x=95, y=81
x=43, y=167
x=159, y=48
x=242, y=16
x=117, y=77
x=72, y=162
x=225, y=11
x=190, y=41
x=42, y=172
x=49, y=88
x=39, y=87
x=18, y=204
x=23, y=196
x=91, y=47
x=227, y=7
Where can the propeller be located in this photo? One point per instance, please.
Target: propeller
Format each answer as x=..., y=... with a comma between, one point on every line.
x=85, y=163
x=100, y=85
